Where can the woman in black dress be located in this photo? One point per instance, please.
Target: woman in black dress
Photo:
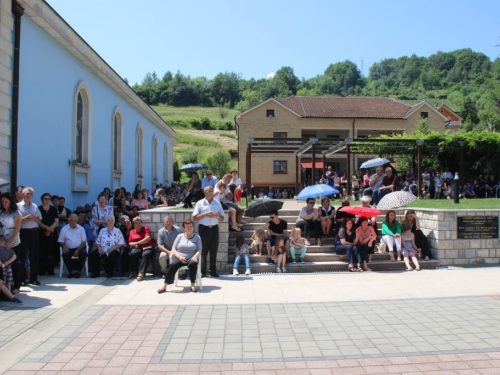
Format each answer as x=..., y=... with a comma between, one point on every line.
x=49, y=252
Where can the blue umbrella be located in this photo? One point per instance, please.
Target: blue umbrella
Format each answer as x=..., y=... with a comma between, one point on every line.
x=315, y=191
x=374, y=163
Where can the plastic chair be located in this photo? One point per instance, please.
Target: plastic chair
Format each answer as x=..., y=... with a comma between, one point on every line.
x=198, y=281
x=63, y=265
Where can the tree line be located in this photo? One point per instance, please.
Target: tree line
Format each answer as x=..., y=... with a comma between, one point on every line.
x=467, y=81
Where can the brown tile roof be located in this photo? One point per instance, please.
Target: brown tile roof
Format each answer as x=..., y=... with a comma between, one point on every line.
x=340, y=107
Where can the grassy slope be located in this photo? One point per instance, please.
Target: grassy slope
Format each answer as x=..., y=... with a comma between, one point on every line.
x=187, y=113
x=187, y=140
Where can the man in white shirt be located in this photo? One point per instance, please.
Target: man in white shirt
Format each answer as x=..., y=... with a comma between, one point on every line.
x=73, y=242
x=208, y=212
x=209, y=180
x=29, y=234
x=447, y=174
x=376, y=182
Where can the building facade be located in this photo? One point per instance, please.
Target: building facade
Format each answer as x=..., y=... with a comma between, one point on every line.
x=80, y=127
x=329, y=118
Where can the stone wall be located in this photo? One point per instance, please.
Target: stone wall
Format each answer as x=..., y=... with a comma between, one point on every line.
x=440, y=226
x=153, y=219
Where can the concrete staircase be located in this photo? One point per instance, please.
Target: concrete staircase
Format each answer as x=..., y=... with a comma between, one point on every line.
x=318, y=258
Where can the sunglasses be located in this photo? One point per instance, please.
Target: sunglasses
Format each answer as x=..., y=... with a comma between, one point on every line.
x=271, y=217
x=310, y=202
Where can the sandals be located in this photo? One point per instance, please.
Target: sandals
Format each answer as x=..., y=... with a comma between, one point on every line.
x=319, y=243
x=131, y=275
x=233, y=229
x=307, y=243
x=140, y=278
x=193, y=289
x=160, y=291
x=359, y=269
x=351, y=269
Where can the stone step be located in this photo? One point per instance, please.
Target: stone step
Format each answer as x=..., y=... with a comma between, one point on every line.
x=311, y=257
x=332, y=266
x=254, y=226
x=265, y=219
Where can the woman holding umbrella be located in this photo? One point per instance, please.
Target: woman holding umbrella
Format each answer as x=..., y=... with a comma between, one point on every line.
x=194, y=188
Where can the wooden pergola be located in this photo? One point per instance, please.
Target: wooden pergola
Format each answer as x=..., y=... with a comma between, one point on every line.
x=299, y=146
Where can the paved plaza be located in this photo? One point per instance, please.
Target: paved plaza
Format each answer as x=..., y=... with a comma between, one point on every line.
x=444, y=321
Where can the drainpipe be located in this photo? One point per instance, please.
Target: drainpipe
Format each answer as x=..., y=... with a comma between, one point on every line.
x=18, y=11
x=238, y=139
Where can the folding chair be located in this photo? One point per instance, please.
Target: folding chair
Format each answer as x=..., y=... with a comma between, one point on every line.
x=198, y=282
x=63, y=265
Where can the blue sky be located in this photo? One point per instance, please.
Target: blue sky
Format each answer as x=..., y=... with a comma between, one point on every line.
x=256, y=37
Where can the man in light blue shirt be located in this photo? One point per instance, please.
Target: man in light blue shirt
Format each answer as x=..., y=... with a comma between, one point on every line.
x=208, y=213
x=208, y=180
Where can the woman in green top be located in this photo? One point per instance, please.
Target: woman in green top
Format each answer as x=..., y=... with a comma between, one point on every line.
x=391, y=234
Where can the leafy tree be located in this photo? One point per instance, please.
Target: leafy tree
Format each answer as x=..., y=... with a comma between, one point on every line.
x=345, y=76
x=469, y=111
x=225, y=88
x=490, y=118
x=190, y=156
x=287, y=75
x=177, y=172
x=219, y=162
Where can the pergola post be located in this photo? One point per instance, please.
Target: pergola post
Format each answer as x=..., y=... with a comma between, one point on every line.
x=313, y=148
x=324, y=164
x=249, y=168
x=419, y=161
x=461, y=161
x=297, y=171
x=348, y=142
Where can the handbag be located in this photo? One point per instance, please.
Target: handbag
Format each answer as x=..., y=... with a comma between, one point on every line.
x=382, y=247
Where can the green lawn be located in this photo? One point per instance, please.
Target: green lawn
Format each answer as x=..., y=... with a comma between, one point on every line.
x=187, y=113
x=465, y=204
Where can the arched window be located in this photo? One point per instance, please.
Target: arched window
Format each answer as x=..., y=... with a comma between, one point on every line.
x=154, y=160
x=82, y=138
x=139, y=154
x=116, y=148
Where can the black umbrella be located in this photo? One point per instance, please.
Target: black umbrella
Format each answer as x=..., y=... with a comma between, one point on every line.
x=263, y=208
x=193, y=167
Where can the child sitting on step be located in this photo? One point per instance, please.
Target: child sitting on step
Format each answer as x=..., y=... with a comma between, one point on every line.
x=297, y=244
x=241, y=250
x=258, y=238
x=409, y=248
x=279, y=254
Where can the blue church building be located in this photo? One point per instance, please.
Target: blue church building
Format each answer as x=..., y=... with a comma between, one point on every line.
x=69, y=124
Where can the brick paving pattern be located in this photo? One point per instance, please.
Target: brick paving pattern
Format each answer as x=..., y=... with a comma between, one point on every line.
x=433, y=336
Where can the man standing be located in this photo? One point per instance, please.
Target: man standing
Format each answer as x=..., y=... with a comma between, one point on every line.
x=73, y=241
x=448, y=174
x=376, y=182
x=208, y=212
x=19, y=194
x=275, y=227
x=30, y=239
x=208, y=180
x=166, y=238
x=329, y=174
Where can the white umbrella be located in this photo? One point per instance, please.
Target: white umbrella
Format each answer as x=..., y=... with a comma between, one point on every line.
x=374, y=163
x=395, y=199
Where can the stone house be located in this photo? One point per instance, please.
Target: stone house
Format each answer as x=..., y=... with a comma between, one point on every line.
x=324, y=118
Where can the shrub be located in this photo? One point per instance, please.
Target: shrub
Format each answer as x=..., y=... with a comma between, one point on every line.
x=219, y=163
x=190, y=156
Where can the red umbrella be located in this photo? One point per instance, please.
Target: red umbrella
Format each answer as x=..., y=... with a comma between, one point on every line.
x=361, y=211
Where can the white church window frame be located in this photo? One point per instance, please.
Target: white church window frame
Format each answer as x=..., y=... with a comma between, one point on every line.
x=117, y=148
x=81, y=158
x=139, y=154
